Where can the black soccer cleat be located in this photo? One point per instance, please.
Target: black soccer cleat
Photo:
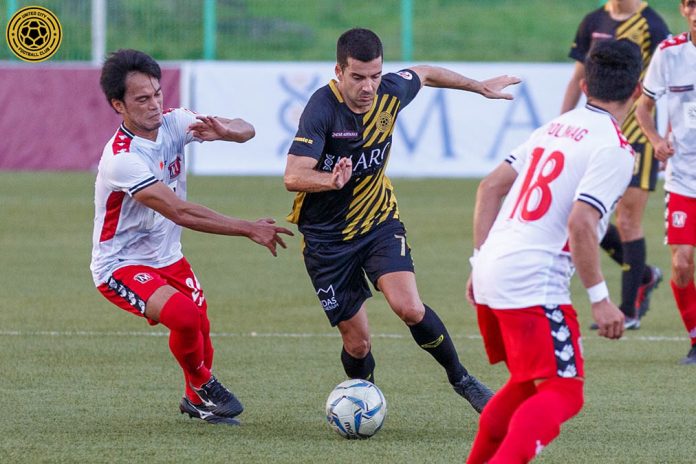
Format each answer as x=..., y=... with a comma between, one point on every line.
x=473, y=391
x=219, y=399
x=645, y=290
x=203, y=412
x=690, y=357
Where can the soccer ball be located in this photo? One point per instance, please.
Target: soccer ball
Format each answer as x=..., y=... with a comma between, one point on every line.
x=356, y=409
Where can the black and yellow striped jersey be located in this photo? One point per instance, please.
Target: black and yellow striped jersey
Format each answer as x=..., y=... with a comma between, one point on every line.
x=329, y=131
x=645, y=28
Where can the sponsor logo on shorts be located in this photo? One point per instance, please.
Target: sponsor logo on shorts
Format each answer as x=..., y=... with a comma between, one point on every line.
x=34, y=34
x=328, y=298
x=142, y=277
x=678, y=219
x=127, y=294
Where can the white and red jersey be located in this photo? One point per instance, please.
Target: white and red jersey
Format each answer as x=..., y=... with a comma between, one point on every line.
x=525, y=261
x=127, y=232
x=672, y=71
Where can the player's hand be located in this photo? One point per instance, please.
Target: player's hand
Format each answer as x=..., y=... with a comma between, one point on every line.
x=341, y=173
x=265, y=233
x=470, y=291
x=663, y=149
x=491, y=88
x=207, y=128
x=609, y=318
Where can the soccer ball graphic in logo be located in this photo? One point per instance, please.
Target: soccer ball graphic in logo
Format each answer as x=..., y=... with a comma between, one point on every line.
x=34, y=34
x=356, y=409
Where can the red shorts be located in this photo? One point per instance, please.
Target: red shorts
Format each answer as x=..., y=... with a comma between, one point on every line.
x=540, y=342
x=130, y=287
x=680, y=219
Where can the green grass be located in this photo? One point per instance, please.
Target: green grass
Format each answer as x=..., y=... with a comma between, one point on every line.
x=83, y=381
x=302, y=30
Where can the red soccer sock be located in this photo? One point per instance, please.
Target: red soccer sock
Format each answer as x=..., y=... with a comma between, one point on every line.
x=208, y=352
x=685, y=298
x=180, y=315
x=537, y=421
x=495, y=418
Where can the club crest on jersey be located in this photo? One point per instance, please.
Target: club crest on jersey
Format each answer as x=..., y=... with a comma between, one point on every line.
x=174, y=168
x=384, y=121
x=406, y=75
x=679, y=219
x=142, y=277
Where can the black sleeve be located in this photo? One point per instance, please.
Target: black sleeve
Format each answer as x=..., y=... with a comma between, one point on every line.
x=405, y=84
x=659, y=30
x=314, y=123
x=583, y=40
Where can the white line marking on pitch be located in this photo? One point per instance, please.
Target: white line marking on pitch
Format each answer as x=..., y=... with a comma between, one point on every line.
x=85, y=333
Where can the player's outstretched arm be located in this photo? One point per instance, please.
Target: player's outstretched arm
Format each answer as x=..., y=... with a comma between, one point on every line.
x=209, y=128
x=435, y=76
x=197, y=217
x=584, y=248
x=301, y=175
x=573, y=91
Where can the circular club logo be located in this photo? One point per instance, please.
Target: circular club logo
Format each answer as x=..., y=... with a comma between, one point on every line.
x=34, y=34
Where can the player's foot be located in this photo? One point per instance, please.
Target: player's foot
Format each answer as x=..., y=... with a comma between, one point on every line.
x=220, y=400
x=473, y=391
x=645, y=290
x=203, y=412
x=690, y=357
x=630, y=323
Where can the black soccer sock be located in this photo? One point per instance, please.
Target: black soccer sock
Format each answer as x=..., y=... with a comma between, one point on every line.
x=358, y=368
x=611, y=243
x=432, y=336
x=632, y=275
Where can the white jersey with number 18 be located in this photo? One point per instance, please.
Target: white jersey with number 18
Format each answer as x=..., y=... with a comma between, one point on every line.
x=579, y=156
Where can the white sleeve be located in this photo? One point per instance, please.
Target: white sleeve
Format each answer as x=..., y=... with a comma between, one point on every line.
x=608, y=173
x=183, y=118
x=518, y=156
x=127, y=172
x=655, y=82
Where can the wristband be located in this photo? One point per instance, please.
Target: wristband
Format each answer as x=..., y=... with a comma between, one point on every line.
x=598, y=292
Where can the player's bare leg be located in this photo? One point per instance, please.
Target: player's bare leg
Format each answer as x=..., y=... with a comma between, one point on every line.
x=430, y=333
x=356, y=355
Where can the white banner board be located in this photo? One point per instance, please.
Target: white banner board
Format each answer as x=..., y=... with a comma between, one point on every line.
x=442, y=133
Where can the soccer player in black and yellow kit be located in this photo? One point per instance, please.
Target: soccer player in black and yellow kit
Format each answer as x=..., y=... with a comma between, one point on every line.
x=636, y=21
x=346, y=207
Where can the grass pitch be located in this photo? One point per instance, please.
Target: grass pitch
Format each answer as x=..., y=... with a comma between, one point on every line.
x=83, y=381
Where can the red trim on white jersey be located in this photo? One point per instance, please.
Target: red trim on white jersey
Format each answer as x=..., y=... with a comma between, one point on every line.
x=122, y=140
x=113, y=213
x=676, y=40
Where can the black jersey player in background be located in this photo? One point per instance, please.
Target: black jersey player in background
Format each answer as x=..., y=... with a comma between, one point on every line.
x=625, y=243
x=346, y=208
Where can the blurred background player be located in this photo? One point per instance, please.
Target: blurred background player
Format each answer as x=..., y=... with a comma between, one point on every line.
x=140, y=208
x=346, y=207
x=625, y=243
x=672, y=72
x=559, y=189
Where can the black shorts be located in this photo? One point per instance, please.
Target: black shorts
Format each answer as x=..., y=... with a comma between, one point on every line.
x=645, y=167
x=338, y=269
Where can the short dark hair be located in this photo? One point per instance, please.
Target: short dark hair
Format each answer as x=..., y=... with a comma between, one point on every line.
x=117, y=67
x=612, y=70
x=360, y=44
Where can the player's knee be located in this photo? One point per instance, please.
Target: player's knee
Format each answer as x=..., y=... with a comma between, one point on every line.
x=629, y=225
x=357, y=348
x=570, y=393
x=682, y=270
x=181, y=314
x=411, y=312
